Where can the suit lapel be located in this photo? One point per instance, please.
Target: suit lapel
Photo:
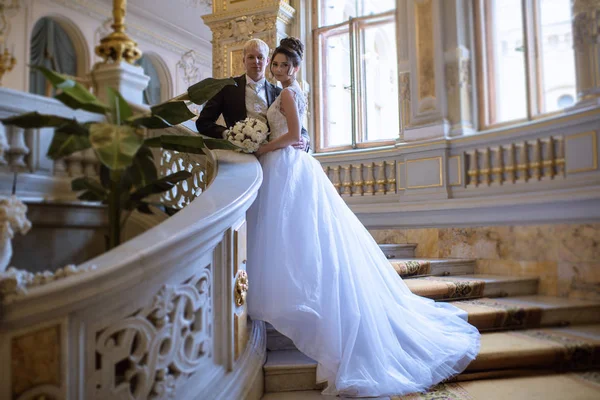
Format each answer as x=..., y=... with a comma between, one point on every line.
x=241, y=94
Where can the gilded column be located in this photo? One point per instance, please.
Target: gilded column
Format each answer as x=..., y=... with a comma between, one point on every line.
x=586, y=42
x=233, y=22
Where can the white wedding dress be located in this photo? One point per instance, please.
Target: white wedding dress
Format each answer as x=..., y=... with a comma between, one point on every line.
x=318, y=277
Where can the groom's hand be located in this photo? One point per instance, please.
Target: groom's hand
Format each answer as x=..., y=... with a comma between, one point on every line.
x=300, y=145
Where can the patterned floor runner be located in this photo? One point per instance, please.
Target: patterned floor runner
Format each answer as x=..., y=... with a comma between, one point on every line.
x=490, y=314
x=411, y=267
x=574, y=386
x=449, y=288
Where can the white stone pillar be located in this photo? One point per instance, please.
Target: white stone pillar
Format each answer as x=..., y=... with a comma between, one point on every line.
x=586, y=43
x=128, y=79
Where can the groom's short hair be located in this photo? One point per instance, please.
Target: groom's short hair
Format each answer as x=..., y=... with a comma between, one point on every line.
x=256, y=44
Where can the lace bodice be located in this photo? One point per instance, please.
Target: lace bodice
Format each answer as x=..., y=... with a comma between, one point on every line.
x=277, y=122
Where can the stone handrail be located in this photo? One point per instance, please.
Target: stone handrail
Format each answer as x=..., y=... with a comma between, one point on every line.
x=161, y=316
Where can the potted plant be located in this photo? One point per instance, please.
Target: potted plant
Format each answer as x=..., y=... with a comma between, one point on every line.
x=128, y=174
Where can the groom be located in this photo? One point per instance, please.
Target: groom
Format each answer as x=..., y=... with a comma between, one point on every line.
x=250, y=98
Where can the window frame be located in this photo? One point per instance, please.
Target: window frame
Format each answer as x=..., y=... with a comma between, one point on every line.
x=533, y=65
x=355, y=25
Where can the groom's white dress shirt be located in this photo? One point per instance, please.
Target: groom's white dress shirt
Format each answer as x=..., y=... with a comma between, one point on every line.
x=256, y=99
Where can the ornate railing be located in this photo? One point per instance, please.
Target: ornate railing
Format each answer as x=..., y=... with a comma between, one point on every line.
x=161, y=316
x=477, y=179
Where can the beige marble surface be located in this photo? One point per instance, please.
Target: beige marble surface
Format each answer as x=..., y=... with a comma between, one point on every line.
x=566, y=257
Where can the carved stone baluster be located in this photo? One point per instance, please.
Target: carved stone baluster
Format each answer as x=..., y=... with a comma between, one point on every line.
x=551, y=162
x=499, y=168
x=487, y=166
x=347, y=183
x=91, y=165
x=524, y=164
x=357, y=184
x=560, y=153
x=369, y=183
x=75, y=164
x=538, y=165
x=391, y=180
x=337, y=179
x=512, y=162
x=18, y=149
x=380, y=178
x=473, y=172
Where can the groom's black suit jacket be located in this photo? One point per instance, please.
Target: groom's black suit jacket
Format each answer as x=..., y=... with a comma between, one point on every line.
x=231, y=102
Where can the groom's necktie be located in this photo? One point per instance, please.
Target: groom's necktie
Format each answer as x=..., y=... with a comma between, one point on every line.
x=256, y=101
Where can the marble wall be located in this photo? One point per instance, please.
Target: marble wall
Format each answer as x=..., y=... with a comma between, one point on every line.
x=566, y=257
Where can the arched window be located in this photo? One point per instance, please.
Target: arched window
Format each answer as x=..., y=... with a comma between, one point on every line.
x=52, y=48
x=152, y=94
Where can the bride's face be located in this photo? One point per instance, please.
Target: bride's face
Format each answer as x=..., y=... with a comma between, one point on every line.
x=282, y=69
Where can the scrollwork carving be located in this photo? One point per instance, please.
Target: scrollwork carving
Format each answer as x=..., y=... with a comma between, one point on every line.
x=244, y=27
x=150, y=354
x=184, y=192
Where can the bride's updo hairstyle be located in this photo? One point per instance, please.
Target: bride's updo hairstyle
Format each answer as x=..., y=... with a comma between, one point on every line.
x=292, y=48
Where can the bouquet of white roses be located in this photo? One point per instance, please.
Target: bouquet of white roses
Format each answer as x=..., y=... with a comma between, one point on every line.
x=247, y=134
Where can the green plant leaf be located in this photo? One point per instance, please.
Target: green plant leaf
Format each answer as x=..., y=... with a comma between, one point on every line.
x=149, y=122
x=76, y=105
x=159, y=186
x=174, y=112
x=220, y=144
x=115, y=145
x=119, y=108
x=74, y=94
x=181, y=143
x=89, y=196
x=206, y=89
x=64, y=143
x=143, y=170
x=34, y=119
x=93, y=189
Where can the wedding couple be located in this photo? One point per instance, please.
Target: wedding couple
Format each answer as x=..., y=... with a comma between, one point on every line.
x=316, y=273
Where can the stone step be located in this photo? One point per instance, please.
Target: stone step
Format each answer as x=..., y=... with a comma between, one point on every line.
x=409, y=268
x=473, y=286
x=492, y=314
x=401, y=250
x=501, y=354
x=572, y=386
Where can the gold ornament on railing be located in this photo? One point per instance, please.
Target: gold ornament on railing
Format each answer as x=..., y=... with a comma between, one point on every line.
x=241, y=288
x=7, y=62
x=117, y=46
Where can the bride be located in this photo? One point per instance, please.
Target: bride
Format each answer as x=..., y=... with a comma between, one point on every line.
x=320, y=279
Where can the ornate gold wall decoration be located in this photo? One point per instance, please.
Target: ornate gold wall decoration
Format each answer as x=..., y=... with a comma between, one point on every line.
x=36, y=359
x=267, y=20
x=425, y=51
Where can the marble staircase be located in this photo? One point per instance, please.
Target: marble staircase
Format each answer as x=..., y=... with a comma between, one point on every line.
x=523, y=332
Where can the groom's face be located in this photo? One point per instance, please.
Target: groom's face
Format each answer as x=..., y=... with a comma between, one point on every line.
x=255, y=62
